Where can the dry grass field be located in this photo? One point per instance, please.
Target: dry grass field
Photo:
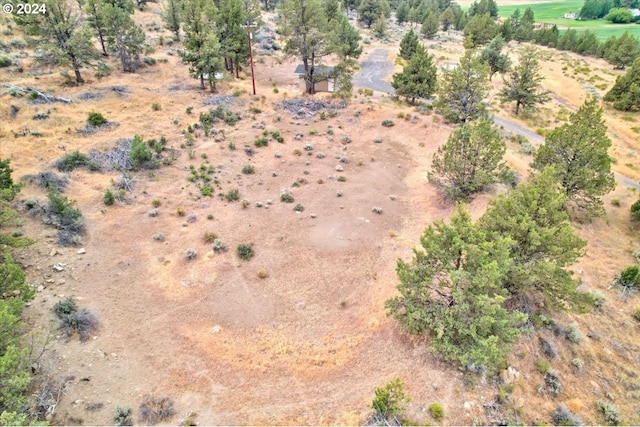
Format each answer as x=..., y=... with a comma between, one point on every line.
x=298, y=334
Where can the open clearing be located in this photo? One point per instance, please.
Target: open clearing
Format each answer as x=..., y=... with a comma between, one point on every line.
x=309, y=343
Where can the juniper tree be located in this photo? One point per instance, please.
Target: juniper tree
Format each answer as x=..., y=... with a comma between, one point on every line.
x=199, y=16
x=461, y=90
x=523, y=85
x=492, y=55
x=233, y=36
x=471, y=159
x=543, y=243
x=625, y=93
x=452, y=293
x=172, y=16
x=578, y=152
x=418, y=77
x=124, y=36
x=95, y=17
x=409, y=44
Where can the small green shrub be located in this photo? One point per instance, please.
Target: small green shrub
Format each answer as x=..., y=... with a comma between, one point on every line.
x=389, y=401
x=276, y=135
x=123, y=416
x=96, y=119
x=232, y=146
x=248, y=170
x=313, y=131
x=153, y=409
x=573, y=334
x=552, y=382
x=636, y=314
x=219, y=245
x=66, y=217
x=629, y=277
x=71, y=161
x=156, y=106
x=155, y=203
x=4, y=61
x=109, y=199
x=564, y=417
x=244, y=251
x=189, y=110
x=206, y=191
x=635, y=210
x=437, y=411
x=287, y=198
x=232, y=195
x=388, y=123
x=610, y=413
x=180, y=211
x=65, y=307
x=577, y=363
x=543, y=365
x=261, y=142
x=298, y=208
x=342, y=178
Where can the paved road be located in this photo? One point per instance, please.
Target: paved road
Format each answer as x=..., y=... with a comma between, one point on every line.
x=536, y=139
x=373, y=71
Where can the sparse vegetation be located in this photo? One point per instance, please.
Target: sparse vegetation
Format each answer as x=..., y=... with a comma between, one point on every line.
x=287, y=198
x=96, y=119
x=109, y=198
x=248, y=170
x=245, y=251
x=232, y=195
x=155, y=409
x=123, y=416
x=610, y=413
x=73, y=320
x=390, y=400
x=437, y=411
x=66, y=217
x=219, y=245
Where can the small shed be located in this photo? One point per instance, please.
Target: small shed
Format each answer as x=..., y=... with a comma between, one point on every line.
x=324, y=77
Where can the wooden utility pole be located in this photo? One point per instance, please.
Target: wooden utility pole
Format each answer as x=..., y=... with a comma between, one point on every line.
x=253, y=79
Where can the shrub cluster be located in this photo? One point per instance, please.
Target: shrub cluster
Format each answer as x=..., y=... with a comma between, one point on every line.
x=63, y=214
x=72, y=319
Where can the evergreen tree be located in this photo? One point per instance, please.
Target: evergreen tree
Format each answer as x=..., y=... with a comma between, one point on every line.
x=370, y=11
x=430, y=25
x=345, y=40
x=199, y=15
x=624, y=52
x=418, y=78
x=95, y=17
x=524, y=31
x=481, y=29
x=492, y=55
x=61, y=31
x=578, y=152
x=547, y=36
x=447, y=19
x=332, y=10
x=524, y=86
x=594, y=9
x=543, y=243
x=211, y=62
x=506, y=30
x=568, y=40
x=172, y=16
x=461, y=90
x=402, y=13
x=587, y=43
x=488, y=7
x=625, y=93
x=452, y=292
x=408, y=45
x=471, y=159
x=233, y=37
x=124, y=36
x=306, y=27
x=380, y=27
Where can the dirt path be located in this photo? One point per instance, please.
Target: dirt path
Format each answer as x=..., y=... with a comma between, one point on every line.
x=373, y=72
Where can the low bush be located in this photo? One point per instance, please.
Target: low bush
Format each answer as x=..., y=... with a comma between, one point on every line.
x=564, y=417
x=232, y=195
x=65, y=307
x=437, y=411
x=155, y=203
x=122, y=416
x=47, y=180
x=63, y=214
x=276, y=135
x=552, y=382
x=209, y=237
x=109, y=198
x=261, y=142
x=156, y=106
x=287, y=198
x=96, y=119
x=572, y=333
x=71, y=161
x=190, y=254
x=72, y=320
x=244, y=251
x=389, y=401
x=543, y=365
x=298, y=208
x=629, y=277
x=4, y=61
x=635, y=210
x=140, y=154
x=610, y=413
x=155, y=409
x=388, y=123
x=219, y=245
x=248, y=170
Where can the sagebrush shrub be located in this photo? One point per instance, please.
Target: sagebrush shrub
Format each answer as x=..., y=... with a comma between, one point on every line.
x=109, y=198
x=245, y=251
x=122, y=416
x=96, y=119
x=437, y=411
x=610, y=413
x=154, y=409
x=287, y=198
x=219, y=245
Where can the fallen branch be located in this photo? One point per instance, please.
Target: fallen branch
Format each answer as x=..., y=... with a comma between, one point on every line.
x=44, y=96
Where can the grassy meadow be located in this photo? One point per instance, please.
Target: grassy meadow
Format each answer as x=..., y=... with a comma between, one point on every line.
x=552, y=13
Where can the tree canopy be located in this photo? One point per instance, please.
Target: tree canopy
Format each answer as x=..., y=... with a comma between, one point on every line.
x=418, y=77
x=524, y=84
x=492, y=55
x=625, y=93
x=578, y=152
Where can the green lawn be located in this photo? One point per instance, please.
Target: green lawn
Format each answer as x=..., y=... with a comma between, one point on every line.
x=552, y=13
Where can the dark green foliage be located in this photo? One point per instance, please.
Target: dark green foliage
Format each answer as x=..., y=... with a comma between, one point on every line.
x=96, y=119
x=345, y=40
x=547, y=36
x=524, y=86
x=543, y=243
x=8, y=189
x=261, y=142
x=390, y=400
x=629, y=277
x=287, y=198
x=430, y=25
x=623, y=51
x=470, y=160
x=635, y=210
x=610, y=413
x=488, y=7
x=625, y=93
x=232, y=195
x=109, y=198
x=244, y=251
x=619, y=15
x=14, y=289
x=298, y=208
x=248, y=170
x=418, y=77
x=211, y=117
x=172, y=16
x=594, y=9
x=65, y=307
x=481, y=29
x=122, y=416
x=5, y=62
x=276, y=135
x=72, y=160
x=461, y=91
x=124, y=37
x=409, y=44
x=140, y=153
x=453, y=292
x=578, y=152
x=523, y=28
x=370, y=10
x=63, y=214
x=492, y=55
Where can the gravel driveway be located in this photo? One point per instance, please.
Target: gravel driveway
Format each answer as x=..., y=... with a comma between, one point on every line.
x=374, y=70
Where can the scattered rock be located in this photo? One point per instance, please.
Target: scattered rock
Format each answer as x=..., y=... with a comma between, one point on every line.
x=82, y=251
x=392, y=196
x=339, y=168
x=377, y=210
x=58, y=267
x=40, y=288
x=53, y=252
x=313, y=215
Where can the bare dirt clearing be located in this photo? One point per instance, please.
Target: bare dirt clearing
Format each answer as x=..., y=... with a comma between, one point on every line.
x=309, y=343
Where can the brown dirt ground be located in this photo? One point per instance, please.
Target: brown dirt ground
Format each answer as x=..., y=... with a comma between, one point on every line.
x=311, y=342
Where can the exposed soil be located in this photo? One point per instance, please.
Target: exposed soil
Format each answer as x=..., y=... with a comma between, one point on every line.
x=309, y=343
